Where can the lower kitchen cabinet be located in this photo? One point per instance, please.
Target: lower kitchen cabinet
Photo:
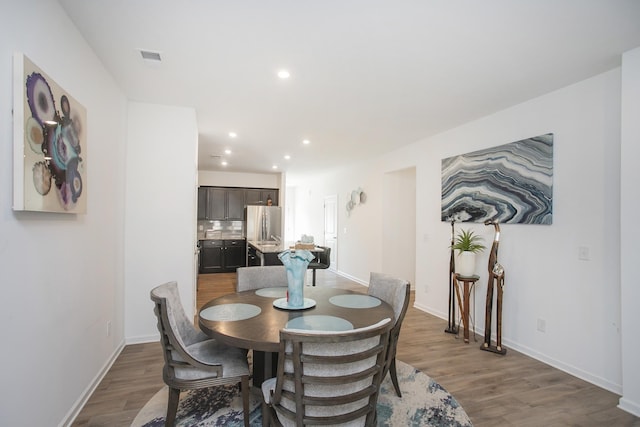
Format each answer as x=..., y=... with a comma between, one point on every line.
x=217, y=256
x=211, y=256
x=234, y=254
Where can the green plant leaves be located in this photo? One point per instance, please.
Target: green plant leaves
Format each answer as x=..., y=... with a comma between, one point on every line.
x=466, y=241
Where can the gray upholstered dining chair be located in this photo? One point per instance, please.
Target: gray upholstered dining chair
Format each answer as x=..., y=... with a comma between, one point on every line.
x=322, y=262
x=267, y=276
x=192, y=359
x=327, y=377
x=396, y=293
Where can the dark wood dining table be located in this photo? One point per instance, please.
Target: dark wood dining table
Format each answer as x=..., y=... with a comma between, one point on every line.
x=250, y=320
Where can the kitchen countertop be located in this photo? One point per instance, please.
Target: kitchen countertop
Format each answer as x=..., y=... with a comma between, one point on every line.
x=272, y=246
x=220, y=236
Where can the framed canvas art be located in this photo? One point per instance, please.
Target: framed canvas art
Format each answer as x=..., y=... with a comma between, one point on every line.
x=510, y=183
x=49, y=143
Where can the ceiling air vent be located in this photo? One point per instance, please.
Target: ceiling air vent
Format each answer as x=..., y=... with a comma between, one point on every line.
x=151, y=56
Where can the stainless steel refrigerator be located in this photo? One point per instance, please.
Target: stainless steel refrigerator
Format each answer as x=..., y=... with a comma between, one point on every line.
x=264, y=223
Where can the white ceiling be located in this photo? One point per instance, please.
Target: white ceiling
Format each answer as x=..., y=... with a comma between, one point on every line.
x=367, y=76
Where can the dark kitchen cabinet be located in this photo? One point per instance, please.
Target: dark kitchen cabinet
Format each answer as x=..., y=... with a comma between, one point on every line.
x=219, y=203
x=235, y=204
x=217, y=256
x=234, y=254
x=216, y=203
x=259, y=196
x=203, y=193
x=252, y=257
x=211, y=256
x=253, y=197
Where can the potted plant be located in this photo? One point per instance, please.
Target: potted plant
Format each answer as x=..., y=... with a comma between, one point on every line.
x=468, y=245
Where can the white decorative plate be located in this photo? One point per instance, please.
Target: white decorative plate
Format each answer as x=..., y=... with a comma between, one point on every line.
x=284, y=304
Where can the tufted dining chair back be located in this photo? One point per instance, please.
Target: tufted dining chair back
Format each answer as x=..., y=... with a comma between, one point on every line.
x=192, y=359
x=396, y=293
x=267, y=276
x=327, y=377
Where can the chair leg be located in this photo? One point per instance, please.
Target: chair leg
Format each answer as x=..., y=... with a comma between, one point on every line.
x=245, y=399
x=394, y=377
x=266, y=416
x=314, y=277
x=172, y=406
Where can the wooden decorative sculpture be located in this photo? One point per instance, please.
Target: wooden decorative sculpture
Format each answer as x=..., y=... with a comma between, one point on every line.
x=451, y=325
x=496, y=277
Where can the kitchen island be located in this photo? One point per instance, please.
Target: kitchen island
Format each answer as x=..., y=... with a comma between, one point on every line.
x=266, y=252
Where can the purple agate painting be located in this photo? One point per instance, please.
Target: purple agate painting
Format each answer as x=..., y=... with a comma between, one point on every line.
x=510, y=183
x=52, y=145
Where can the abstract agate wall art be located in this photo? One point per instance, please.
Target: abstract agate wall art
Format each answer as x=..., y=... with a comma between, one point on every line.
x=49, y=143
x=510, y=183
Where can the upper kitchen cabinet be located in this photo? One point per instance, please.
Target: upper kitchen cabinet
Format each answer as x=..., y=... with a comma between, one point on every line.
x=218, y=203
x=259, y=196
x=235, y=204
x=203, y=192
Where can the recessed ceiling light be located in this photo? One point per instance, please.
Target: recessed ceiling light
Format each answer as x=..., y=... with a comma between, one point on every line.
x=223, y=163
x=227, y=151
x=274, y=167
x=306, y=142
x=287, y=157
x=284, y=74
x=233, y=135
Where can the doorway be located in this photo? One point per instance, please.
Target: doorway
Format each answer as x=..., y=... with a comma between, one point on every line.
x=331, y=228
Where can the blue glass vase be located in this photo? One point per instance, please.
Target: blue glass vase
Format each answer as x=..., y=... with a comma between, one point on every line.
x=295, y=262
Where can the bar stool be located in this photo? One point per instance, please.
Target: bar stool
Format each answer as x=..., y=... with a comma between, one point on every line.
x=323, y=261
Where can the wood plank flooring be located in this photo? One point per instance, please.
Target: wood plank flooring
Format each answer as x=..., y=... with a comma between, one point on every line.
x=511, y=390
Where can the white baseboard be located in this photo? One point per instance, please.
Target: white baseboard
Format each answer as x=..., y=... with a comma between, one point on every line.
x=348, y=276
x=431, y=311
x=86, y=394
x=569, y=369
x=142, y=339
x=630, y=407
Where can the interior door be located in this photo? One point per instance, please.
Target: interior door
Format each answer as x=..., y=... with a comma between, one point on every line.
x=331, y=228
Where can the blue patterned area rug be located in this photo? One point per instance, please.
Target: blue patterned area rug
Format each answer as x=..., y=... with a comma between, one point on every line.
x=424, y=403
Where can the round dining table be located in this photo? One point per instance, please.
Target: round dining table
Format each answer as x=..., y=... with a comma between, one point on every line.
x=253, y=319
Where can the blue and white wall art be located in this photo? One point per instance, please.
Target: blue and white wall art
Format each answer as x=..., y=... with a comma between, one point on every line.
x=510, y=183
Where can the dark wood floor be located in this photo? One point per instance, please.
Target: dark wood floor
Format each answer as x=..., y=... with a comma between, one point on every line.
x=511, y=390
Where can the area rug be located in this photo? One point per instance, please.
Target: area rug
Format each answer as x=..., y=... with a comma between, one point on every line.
x=424, y=403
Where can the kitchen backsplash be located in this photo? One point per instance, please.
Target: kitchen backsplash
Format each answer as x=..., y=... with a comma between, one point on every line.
x=220, y=230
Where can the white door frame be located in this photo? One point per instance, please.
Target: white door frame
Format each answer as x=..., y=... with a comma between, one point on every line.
x=331, y=228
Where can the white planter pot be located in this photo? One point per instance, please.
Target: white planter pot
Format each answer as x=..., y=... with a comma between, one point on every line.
x=466, y=263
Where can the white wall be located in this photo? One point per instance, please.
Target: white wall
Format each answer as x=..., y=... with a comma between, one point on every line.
x=305, y=223
x=237, y=179
x=62, y=275
x=360, y=232
x=161, y=214
x=579, y=300
x=630, y=235
x=399, y=224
